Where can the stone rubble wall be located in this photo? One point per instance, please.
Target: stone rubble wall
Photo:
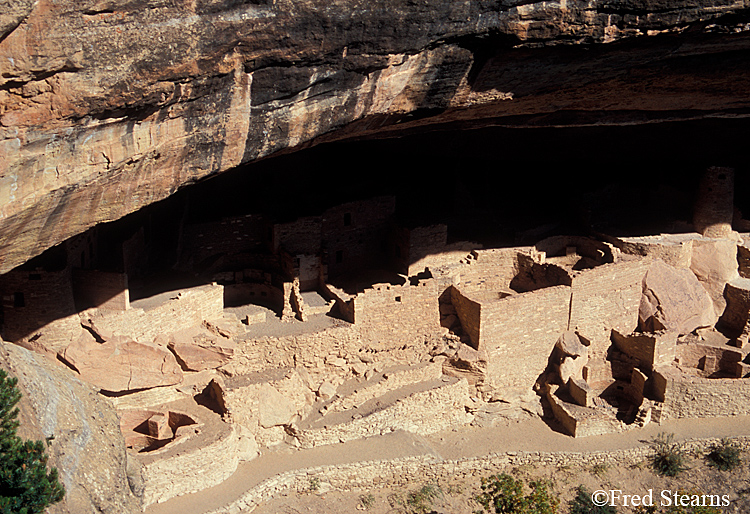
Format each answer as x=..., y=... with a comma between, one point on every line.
x=421, y=413
x=408, y=471
x=264, y=407
x=390, y=382
x=187, y=308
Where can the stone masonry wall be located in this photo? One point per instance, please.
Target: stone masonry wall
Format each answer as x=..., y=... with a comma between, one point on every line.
x=188, y=307
x=489, y=270
x=607, y=297
x=101, y=289
x=298, y=236
x=519, y=331
x=432, y=469
x=194, y=470
x=469, y=313
x=228, y=236
x=421, y=413
x=39, y=310
x=405, y=314
x=695, y=397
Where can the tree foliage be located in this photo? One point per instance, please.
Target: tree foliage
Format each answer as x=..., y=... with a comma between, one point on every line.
x=25, y=485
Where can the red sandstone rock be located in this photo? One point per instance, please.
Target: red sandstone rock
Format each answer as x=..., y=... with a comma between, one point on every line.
x=673, y=299
x=123, y=365
x=198, y=349
x=714, y=262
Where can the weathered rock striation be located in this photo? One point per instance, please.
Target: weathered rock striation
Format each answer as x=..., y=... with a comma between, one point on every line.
x=107, y=106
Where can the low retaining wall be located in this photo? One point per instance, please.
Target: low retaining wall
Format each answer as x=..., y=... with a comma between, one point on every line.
x=429, y=468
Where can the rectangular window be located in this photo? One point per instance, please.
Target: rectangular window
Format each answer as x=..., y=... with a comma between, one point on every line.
x=19, y=300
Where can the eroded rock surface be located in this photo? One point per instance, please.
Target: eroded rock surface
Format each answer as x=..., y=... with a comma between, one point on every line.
x=673, y=299
x=108, y=106
x=123, y=365
x=86, y=445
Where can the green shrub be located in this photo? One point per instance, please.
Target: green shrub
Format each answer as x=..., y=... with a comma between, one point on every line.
x=669, y=459
x=504, y=494
x=25, y=485
x=418, y=501
x=724, y=457
x=583, y=504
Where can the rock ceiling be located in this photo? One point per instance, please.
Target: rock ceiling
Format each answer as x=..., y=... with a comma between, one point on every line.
x=107, y=106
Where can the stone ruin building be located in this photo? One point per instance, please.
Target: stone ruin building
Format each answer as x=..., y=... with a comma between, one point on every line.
x=344, y=325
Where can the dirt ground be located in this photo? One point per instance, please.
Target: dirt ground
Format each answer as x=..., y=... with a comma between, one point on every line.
x=458, y=497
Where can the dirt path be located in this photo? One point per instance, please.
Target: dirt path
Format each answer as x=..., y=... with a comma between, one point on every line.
x=527, y=435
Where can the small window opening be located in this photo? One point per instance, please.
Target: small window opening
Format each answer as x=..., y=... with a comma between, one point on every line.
x=398, y=299
x=263, y=293
x=347, y=219
x=722, y=176
x=19, y=300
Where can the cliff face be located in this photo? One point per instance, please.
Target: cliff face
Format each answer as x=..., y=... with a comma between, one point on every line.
x=109, y=105
x=85, y=443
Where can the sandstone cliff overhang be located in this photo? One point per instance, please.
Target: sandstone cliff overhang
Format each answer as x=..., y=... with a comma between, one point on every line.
x=107, y=106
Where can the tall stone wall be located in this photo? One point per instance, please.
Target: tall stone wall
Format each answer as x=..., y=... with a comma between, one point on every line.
x=39, y=309
x=355, y=233
x=607, y=297
x=298, y=236
x=490, y=270
x=227, y=236
x=188, y=307
x=714, y=206
x=101, y=289
x=519, y=331
x=469, y=312
x=399, y=313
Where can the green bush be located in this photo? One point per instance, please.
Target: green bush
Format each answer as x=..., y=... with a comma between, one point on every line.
x=724, y=457
x=505, y=495
x=25, y=485
x=669, y=459
x=583, y=504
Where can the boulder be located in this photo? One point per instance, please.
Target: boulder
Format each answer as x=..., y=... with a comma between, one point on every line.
x=198, y=349
x=274, y=408
x=83, y=435
x=714, y=262
x=673, y=299
x=572, y=344
x=122, y=365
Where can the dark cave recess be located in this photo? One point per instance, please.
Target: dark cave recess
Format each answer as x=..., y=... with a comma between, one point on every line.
x=497, y=186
